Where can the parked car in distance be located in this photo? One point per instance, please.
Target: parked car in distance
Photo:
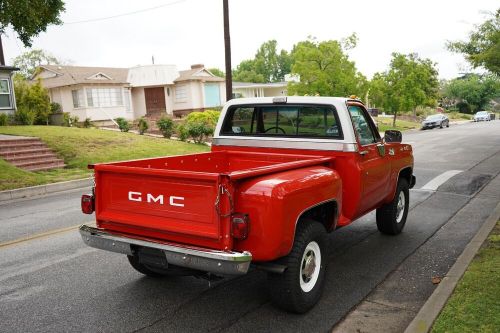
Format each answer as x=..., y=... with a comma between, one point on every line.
x=482, y=116
x=436, y=120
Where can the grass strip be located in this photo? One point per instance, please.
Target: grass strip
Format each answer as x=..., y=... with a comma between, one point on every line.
x=475, y=303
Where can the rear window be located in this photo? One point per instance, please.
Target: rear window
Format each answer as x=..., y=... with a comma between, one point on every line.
x=308, y=121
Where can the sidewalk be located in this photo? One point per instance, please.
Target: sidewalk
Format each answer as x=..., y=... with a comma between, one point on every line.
x=26, y=192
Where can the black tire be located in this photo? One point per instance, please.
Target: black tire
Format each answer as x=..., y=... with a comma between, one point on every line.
x=298, y=289
x=441, y=125
x=390, y=219
x=141, y=268
x=447, y=124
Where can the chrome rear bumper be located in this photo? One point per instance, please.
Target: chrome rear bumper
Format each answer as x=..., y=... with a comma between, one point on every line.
x=208, y=260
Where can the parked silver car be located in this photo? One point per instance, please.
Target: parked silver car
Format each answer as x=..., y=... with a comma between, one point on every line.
x=482, y=116
x=436, y=120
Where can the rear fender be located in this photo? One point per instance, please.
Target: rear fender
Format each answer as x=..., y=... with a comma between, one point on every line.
x=276, y=202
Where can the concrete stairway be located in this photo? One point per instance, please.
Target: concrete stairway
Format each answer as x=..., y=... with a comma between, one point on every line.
x=29, y=154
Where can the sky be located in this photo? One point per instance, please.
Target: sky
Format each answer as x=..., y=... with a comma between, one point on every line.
x=186, y=32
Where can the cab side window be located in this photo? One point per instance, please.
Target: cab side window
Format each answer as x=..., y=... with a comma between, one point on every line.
x=361, y=126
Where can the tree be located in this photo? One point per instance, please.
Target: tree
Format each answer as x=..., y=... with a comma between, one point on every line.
x=245, y=72
x=324, y=69
x=29, y=18
x=216, y=72
x=409, y=82
x=267, y=66
x=483, y=47
x=474, y=90
x=29, y=61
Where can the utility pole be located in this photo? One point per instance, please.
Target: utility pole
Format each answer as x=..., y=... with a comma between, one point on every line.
x=227, y=49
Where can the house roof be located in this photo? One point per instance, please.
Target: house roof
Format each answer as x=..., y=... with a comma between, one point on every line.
x=70, y=75
x=198, y=72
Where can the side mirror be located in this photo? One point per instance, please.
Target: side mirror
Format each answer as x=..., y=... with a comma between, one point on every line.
x=393, y=136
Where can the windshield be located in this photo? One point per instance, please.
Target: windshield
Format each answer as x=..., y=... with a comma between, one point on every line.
x=434, y=117
x=482, y=113
x=282, y=120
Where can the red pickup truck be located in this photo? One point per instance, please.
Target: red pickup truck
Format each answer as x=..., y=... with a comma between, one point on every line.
x=282, y=173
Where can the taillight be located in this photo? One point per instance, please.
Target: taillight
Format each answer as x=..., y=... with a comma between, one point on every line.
x=87, y=203
x=240, y=226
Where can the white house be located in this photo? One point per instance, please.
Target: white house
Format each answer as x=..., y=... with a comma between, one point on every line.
x=98, y=93
x=102, y=93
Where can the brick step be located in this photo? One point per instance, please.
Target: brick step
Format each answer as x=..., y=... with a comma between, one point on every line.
x=30, y=157
x=20, y=146
x=43, y=167
x=25, y=152
x=27, y=164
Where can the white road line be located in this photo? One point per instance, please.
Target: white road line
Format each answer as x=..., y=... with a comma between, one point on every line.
x=439, y=180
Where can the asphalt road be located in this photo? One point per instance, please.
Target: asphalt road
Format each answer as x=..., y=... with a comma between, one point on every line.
x=51, y=282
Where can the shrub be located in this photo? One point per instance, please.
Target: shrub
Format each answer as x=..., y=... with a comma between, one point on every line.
x=143, y=125
x=123, y=124
x=87, y=123
x=199, y=130
x=32, y=98
x=199, y=125
x=182, y=132
x=55, y=107
x=3, y=119
x=66, y=119
x=73, y=121
x=166, y=126
x=25, y=116
x=208, y=117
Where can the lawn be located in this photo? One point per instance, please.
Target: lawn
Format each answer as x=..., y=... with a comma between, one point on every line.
x=385, y=123
x=80, y=147
x=475, y=304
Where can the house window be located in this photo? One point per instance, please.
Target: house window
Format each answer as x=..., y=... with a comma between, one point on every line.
x=181, y=93
x=5, y=101
x=104, y=97
x=77, y=98
x=126, y=94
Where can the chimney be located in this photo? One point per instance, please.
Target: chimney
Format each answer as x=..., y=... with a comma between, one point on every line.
x=195, y=66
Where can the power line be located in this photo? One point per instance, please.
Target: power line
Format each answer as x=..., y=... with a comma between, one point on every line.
x=126, y=14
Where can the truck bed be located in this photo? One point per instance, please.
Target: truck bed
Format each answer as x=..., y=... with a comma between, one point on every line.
x=182, y=198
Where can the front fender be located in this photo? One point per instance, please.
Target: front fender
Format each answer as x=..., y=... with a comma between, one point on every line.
x=275, y=202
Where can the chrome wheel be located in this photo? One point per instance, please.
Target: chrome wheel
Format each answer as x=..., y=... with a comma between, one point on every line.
x=310, y=266
x=400, y=208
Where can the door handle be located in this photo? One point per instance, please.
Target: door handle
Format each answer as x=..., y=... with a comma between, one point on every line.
x=363, y=152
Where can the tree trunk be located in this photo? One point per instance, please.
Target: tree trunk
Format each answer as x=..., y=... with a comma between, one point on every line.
x=394, y=120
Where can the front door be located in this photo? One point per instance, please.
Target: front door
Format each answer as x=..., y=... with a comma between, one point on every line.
x=155, y=100
x=373, y=161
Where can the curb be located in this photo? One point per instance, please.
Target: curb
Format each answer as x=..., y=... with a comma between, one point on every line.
x=432, y=308
x=44, y=189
